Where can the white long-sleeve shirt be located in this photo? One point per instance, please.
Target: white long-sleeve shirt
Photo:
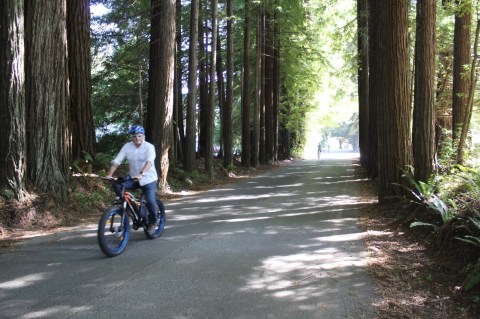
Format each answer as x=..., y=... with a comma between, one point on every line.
x=137, y=157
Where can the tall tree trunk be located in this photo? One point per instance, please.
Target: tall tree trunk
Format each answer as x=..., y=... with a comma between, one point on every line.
x=461, y=58
x=394, y=113
x=211, y=103
x=192, y=88
x=178, y=127
x=471, y=95
x=246, y=145
x=47, y=96
x=269, y=66
x=261, y=146
x=220, y=92
x=12, y=100
x=276, y=83
x=79, y=65
x=374, y=63
x=203, y=86
x=363, y=116
x=423, y=139
x=228, y=106
x=160, y=85
x=258, y=90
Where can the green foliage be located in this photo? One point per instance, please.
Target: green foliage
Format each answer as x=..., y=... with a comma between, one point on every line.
x=424, y=193
x=180, y=179
x=89, y=164
x=91, y=199
x=473, y=277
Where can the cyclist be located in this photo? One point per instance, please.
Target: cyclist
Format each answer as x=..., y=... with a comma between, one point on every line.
x=141, y=159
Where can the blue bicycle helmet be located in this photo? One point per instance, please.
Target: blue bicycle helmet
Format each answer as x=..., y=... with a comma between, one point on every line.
x=136, y=129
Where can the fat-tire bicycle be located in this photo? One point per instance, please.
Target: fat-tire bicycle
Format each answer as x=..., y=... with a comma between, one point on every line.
x=114, y=225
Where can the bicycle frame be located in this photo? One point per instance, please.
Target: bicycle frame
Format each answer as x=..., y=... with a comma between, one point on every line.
x=129, y=203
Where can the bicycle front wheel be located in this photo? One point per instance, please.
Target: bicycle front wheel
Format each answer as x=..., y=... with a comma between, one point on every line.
x=113, y=231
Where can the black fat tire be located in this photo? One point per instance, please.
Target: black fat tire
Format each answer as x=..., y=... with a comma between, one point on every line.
x=113, y=239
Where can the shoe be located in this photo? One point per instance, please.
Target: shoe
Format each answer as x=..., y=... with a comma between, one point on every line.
x=152, y=228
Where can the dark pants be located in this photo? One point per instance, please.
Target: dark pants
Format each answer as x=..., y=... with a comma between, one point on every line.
x=149, y=192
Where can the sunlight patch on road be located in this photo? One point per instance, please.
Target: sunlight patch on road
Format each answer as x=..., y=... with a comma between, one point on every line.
x=23, y=281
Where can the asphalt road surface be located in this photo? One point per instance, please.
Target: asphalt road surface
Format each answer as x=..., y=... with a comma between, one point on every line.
x=281, y=245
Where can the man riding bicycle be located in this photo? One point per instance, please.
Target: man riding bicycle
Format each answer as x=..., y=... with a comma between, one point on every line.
x=141, y=158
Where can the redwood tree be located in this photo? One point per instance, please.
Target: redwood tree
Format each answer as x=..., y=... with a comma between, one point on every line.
x=461, y=58
x=227, y=110
x=362, y=34
x=192, y=88
x=160, y=85
x=47, y=96
x=246, y=145
x=79, y=61
x=12, y=100
x=423, y=140
x=393, y=102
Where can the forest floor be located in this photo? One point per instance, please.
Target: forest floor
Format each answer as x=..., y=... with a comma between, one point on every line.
x=415, y=278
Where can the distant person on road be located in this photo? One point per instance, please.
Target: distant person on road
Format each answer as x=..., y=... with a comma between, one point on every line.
x=319, y=150
x=141, y=160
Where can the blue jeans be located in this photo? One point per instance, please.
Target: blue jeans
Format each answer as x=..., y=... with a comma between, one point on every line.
x=149, y=192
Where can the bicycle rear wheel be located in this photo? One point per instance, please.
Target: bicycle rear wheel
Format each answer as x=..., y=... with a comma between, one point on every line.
x=113, y=231
x=161, y=219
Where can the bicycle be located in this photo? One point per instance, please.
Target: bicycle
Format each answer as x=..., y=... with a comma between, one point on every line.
x=114, y=225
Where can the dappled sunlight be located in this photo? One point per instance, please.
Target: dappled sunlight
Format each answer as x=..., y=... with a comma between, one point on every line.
x=24, y=281
x=53, y=311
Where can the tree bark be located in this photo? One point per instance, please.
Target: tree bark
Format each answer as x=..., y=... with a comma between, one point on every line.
x=79, y=64
x=258, y=91
x=375, y=61
x=210, y=116
x=192, y=88
x=246, y=145
x=12, y=100
x=461, y=58
x=394, y=113
x=471, y=95
x=269, y=66
x=363, y=93
x=423, y=139
x=47, y=96
x=178, y=126
x=161, y=83
x=228, y=106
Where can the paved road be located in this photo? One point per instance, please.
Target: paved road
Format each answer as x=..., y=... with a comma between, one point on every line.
x=281, y=245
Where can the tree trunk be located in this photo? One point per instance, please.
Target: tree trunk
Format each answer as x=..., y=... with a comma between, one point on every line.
x=276, y=84
x=228, y=106
x=363, y=116
x=246, y=151
x=12, y=100
x=47, y=96
x=220, y=93
x=203, y=87
x=394, y=113
x=423, y=139
x=210, y=116
x=178, y=127
x=269, y=66
x=79, y=62
x=261, y=146
x=374, y=63
x=471, y=95
x=461, y=58
x=161, y=83
x=192, y=88
x=258, y=90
